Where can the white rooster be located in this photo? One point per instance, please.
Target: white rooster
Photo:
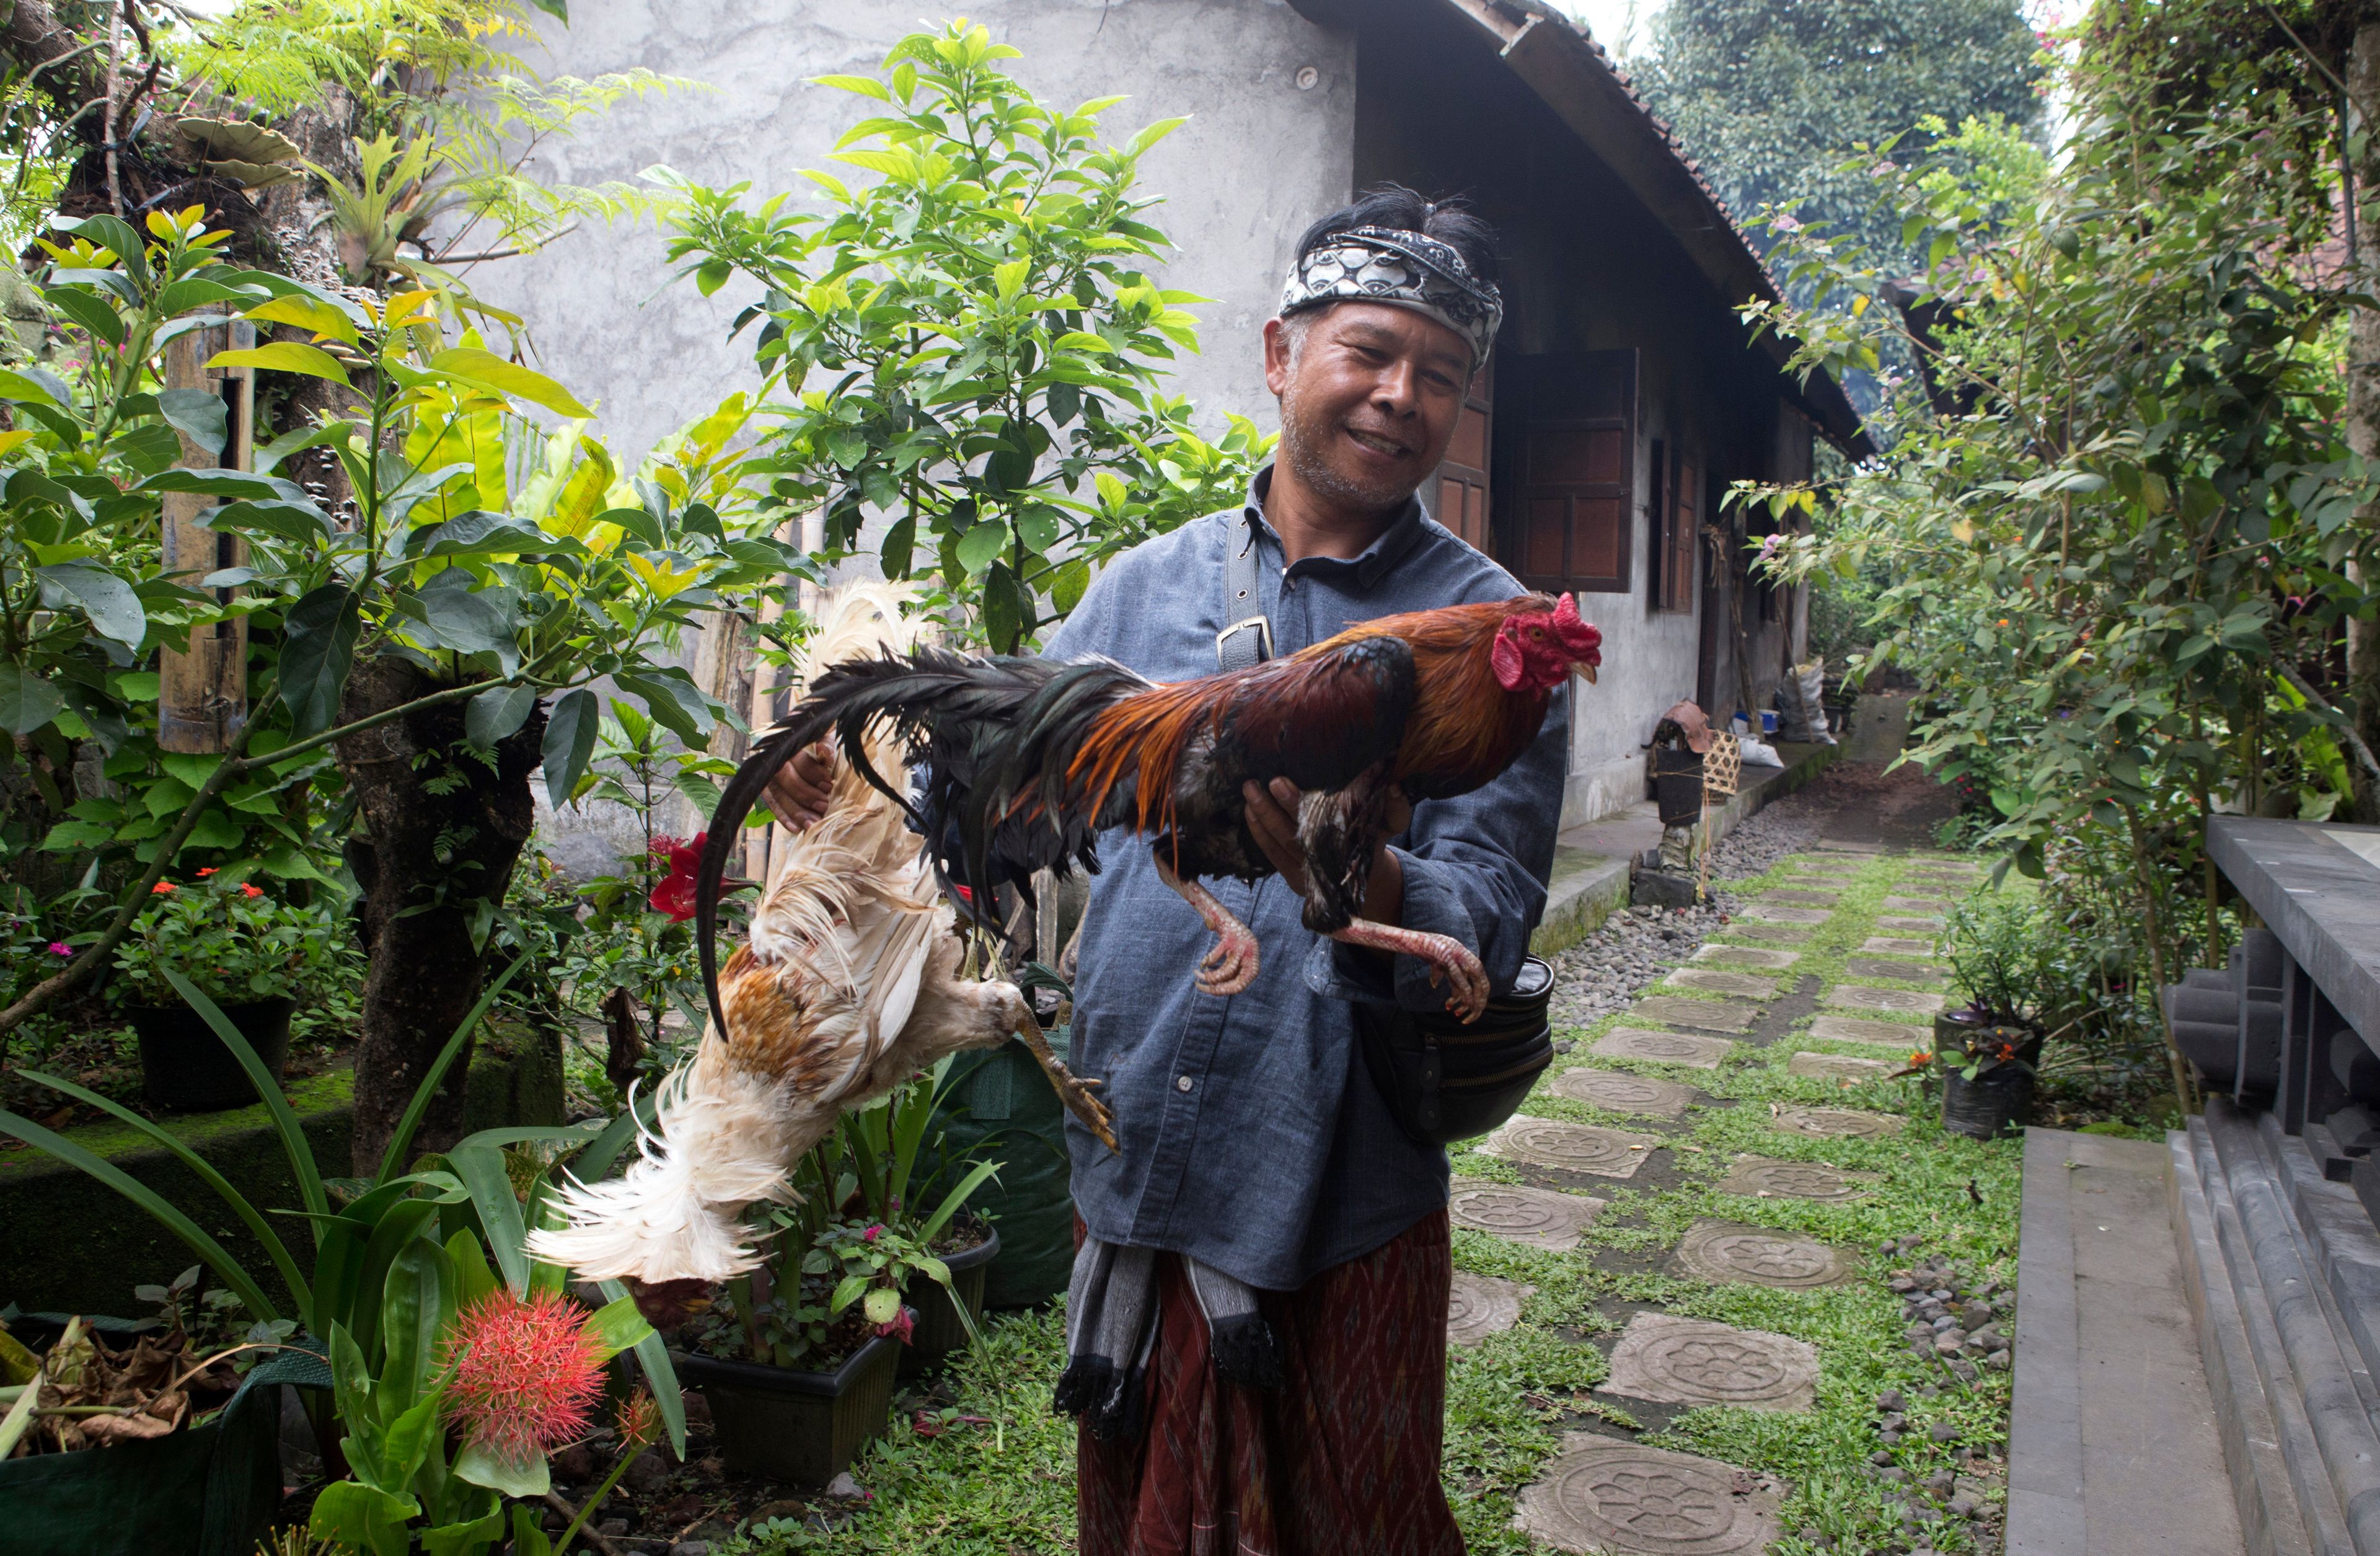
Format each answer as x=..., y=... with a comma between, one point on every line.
x=850, y=984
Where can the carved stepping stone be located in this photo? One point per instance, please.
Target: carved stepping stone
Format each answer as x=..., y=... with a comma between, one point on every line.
x=1907, y=922
x=1897, y=946
x=1850, y=1029
x=1846, y=846
x=1543, y=1218
x=1716, y=980
x=1662, y=1048
x=1837, y=1067
x=1723, y=1251
x=1949, y=880
x=1820, y=865
x=1763, y=1178
x=1905, y=1002
x=1692, y=1361
x=1746, y=956
x=1570, y=1147
x=1916, y=905
x=1626, y=1094
x=1829, y=1124
x=1781, y=935
x=1709, y=1015
x=1602, y=1497
x=1480, y=1306
x=1771, y=914
x=1873, y=966
x=1802, y=899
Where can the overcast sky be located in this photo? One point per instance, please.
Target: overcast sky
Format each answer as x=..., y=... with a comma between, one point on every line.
x=1612, y=22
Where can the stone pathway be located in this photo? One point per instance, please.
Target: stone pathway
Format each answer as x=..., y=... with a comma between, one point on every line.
x=1825, y=972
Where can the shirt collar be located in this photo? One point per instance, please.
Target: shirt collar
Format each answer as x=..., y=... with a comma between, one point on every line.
x=1402, y=534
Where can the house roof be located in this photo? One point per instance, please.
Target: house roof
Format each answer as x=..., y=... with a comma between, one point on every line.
x=1557, y=58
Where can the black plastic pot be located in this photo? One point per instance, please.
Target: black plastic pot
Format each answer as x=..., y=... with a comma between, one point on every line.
x=939, y=1330
x=185, y=1068
x=800, y=1426
x=1998, y=1102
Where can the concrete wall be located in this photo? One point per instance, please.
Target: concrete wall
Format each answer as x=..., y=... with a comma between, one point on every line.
x=1260, y=158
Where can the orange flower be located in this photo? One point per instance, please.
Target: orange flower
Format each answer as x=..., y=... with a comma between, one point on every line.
x=162, y=889
x=248, y=891
x=207, y=871
x=1920, y=1057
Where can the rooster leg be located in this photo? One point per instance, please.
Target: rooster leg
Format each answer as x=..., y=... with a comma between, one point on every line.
x=1231, y=965
x=1447, y=957
x=1074, y=1090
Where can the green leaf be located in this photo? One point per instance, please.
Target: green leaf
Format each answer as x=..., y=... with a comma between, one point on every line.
x=473, y=618
x=474, y=365
x=529, y=1539
x=482, y=1167
x=570, y=730
x=202, y=418
x=669, y=695
x=881, y=1306
x=318, y=650
x=312, y=314
x=617, y=1326
x=359, y=1516
x=493, y=715
x=106, y=600
x=514, y=1477
x=982, y=546
x=847, y=1292
x=416, y=1303
x=27, y=703
x=652, y=1355
x=474, y=1281
x=285, y=356
x=475, y=1536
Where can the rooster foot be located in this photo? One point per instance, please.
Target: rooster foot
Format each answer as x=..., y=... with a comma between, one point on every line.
x=1231, y=965
x=1449, y=959
x=1073, y=1091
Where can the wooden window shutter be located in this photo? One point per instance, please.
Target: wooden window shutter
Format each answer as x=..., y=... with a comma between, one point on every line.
x=1566, y=462
x=1461, y=499
x=1680, y=532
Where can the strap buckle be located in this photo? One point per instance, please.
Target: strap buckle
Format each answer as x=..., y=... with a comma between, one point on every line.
x=1260, y=625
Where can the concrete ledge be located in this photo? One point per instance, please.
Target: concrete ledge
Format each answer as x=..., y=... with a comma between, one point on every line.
x=1586, y=889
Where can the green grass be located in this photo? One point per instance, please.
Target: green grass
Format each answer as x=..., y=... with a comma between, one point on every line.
x=1008, y=1486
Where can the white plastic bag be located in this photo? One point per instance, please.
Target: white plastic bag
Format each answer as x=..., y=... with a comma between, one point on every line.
x=1758, y=753
x=1801, y=702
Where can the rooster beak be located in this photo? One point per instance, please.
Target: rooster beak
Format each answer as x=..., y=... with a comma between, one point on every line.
x=1585, y=669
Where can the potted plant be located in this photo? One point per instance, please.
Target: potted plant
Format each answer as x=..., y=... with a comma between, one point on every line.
x=1988, y=1049
x=247, y=950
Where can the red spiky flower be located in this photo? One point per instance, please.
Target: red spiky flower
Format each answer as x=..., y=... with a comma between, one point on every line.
x=527, y=1374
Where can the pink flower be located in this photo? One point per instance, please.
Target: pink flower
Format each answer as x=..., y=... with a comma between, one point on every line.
x=900, y=1328
x=872, y=1233
x=527, y=1374
x=60, y=948
x=1784, y=222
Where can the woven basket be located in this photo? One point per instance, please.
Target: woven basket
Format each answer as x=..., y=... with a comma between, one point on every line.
x=1722, y=767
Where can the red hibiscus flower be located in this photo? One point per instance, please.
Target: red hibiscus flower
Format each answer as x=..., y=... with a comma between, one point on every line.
x=673, y=894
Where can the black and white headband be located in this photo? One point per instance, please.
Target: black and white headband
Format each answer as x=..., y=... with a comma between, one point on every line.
x=1402, y=269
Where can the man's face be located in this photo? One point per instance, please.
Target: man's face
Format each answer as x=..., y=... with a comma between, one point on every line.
x=1369, y=399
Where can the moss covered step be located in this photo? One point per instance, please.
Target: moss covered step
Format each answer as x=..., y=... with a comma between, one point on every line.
x=76, y=1246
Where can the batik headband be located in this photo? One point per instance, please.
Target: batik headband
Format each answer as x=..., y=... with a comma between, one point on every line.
x=1402, y=269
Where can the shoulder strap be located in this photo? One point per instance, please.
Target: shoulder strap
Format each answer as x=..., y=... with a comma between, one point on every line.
x=1248, y=638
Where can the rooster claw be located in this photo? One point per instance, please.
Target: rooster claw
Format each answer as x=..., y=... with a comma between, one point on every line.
x=1075, y=1091
x=1230, y=966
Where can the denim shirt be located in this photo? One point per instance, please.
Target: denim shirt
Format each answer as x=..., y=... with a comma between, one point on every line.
x=1252, y=1138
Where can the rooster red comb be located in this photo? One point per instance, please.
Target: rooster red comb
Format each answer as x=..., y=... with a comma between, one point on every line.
x=1585, y=643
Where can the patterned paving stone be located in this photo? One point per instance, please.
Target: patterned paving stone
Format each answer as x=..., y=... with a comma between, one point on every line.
x=1776, y=934
x=1850, y=1030
x=1626, y=1094
x=1481, y=1306
x=1692, y=1361
x=1877, y=966
x=1949, y=881
x=1770, y=913
x=1908, y=921
x=1822, y=865
x=1802, y=899
x=1846, y=846
x=1711, y=1015
x=1746, y=956
x=1916, y=905
x=1901, y=1002
x=1718, y=981
x=1763, y=1178
x=1570, y=1147
x=1602, y=1497
x=1897, y=946
x=1723, y=1251
x=1837, y=1067
x=1543, y=1218
x=1662, y=1048
x=1829, y=1124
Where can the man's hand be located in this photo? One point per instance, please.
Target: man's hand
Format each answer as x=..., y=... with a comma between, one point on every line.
x=1273, y=819
x=797, y=791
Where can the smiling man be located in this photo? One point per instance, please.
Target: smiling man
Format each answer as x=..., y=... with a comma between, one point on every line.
x=1257, y=1328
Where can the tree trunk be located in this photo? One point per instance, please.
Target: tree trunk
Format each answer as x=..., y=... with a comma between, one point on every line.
x=2363, y=407
x=438, y=831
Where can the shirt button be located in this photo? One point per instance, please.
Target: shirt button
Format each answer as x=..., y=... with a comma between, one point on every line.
x=1184, y=1083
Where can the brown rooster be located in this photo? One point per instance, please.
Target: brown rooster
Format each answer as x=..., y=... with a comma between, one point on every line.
x=852, y=983
x=1025, y=760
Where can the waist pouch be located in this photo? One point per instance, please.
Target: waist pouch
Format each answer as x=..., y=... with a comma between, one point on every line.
x=1444, y=1081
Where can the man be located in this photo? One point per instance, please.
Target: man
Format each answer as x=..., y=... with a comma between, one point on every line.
x=1256, y=1326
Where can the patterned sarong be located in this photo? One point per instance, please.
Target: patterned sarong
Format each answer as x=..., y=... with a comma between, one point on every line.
x=1342, y=1460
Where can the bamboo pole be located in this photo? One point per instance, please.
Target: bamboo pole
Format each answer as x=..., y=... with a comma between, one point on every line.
x=202, y=687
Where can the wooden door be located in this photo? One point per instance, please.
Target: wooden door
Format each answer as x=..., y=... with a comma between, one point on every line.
x=1566, y=470
x=1462, y=496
